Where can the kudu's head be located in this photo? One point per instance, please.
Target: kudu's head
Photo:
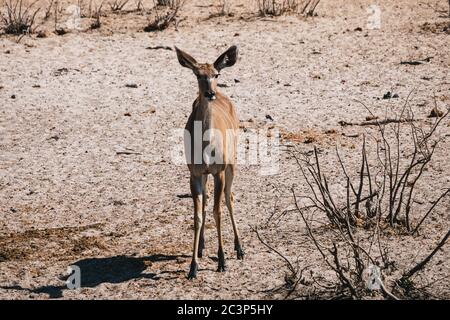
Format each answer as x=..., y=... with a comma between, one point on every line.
x=206, y=73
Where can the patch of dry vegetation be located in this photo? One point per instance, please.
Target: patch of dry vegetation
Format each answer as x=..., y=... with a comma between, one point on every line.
x=162, y=19
x=18, y=17
x=365, y=213
x=281, y=7
x=117, y=5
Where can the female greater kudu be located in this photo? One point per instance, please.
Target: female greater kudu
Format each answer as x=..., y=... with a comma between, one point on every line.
x=210, y=147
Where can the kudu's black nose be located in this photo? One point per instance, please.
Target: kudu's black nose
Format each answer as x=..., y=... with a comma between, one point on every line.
x=210, y=94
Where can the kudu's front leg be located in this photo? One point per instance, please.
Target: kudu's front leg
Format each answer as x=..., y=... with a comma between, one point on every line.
x=196, y=190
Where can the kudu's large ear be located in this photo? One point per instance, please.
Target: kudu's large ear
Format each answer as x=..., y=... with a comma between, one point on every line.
x=227, y=59
x=185, y=59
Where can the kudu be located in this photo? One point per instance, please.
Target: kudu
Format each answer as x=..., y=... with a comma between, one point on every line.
x=210, y=147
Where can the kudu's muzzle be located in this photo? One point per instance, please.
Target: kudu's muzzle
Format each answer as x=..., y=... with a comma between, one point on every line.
x=210, y=94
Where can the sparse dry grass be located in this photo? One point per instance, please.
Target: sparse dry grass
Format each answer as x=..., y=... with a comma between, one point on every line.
x=19, y=17
x=281, y=7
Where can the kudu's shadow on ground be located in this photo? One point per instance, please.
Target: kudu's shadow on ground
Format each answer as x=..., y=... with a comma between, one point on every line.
x=95, y=271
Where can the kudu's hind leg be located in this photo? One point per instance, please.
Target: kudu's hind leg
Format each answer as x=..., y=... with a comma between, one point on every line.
x=219, y=185
x=201, y=245
x=229, y=175
x=196, y=190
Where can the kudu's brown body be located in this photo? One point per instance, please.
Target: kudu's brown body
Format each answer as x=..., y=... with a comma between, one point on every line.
x=210, y=147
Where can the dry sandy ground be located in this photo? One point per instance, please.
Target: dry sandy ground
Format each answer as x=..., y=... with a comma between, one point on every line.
x=67, y=197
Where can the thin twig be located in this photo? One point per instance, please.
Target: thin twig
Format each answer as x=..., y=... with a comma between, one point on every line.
x=422, y=264
x=431, y=209
x=289, y=264
x=374, y=123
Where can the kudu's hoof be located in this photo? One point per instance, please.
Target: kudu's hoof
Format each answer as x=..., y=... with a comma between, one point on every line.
x=193, y=271
x=240, y=253
x=221, y=268
x=221, y=258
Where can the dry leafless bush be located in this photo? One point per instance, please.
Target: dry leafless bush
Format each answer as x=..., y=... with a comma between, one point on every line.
x=97, y=13
x=161, y=20
x=275, y=7
x=117, y=5
x=18, y=18
x=387, y=186
x=280, y=7
x=170, y=3
x=308, y=7
x=382, y=198
x=362, y=269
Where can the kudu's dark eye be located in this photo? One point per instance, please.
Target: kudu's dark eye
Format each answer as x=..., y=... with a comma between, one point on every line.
x=217, y=75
